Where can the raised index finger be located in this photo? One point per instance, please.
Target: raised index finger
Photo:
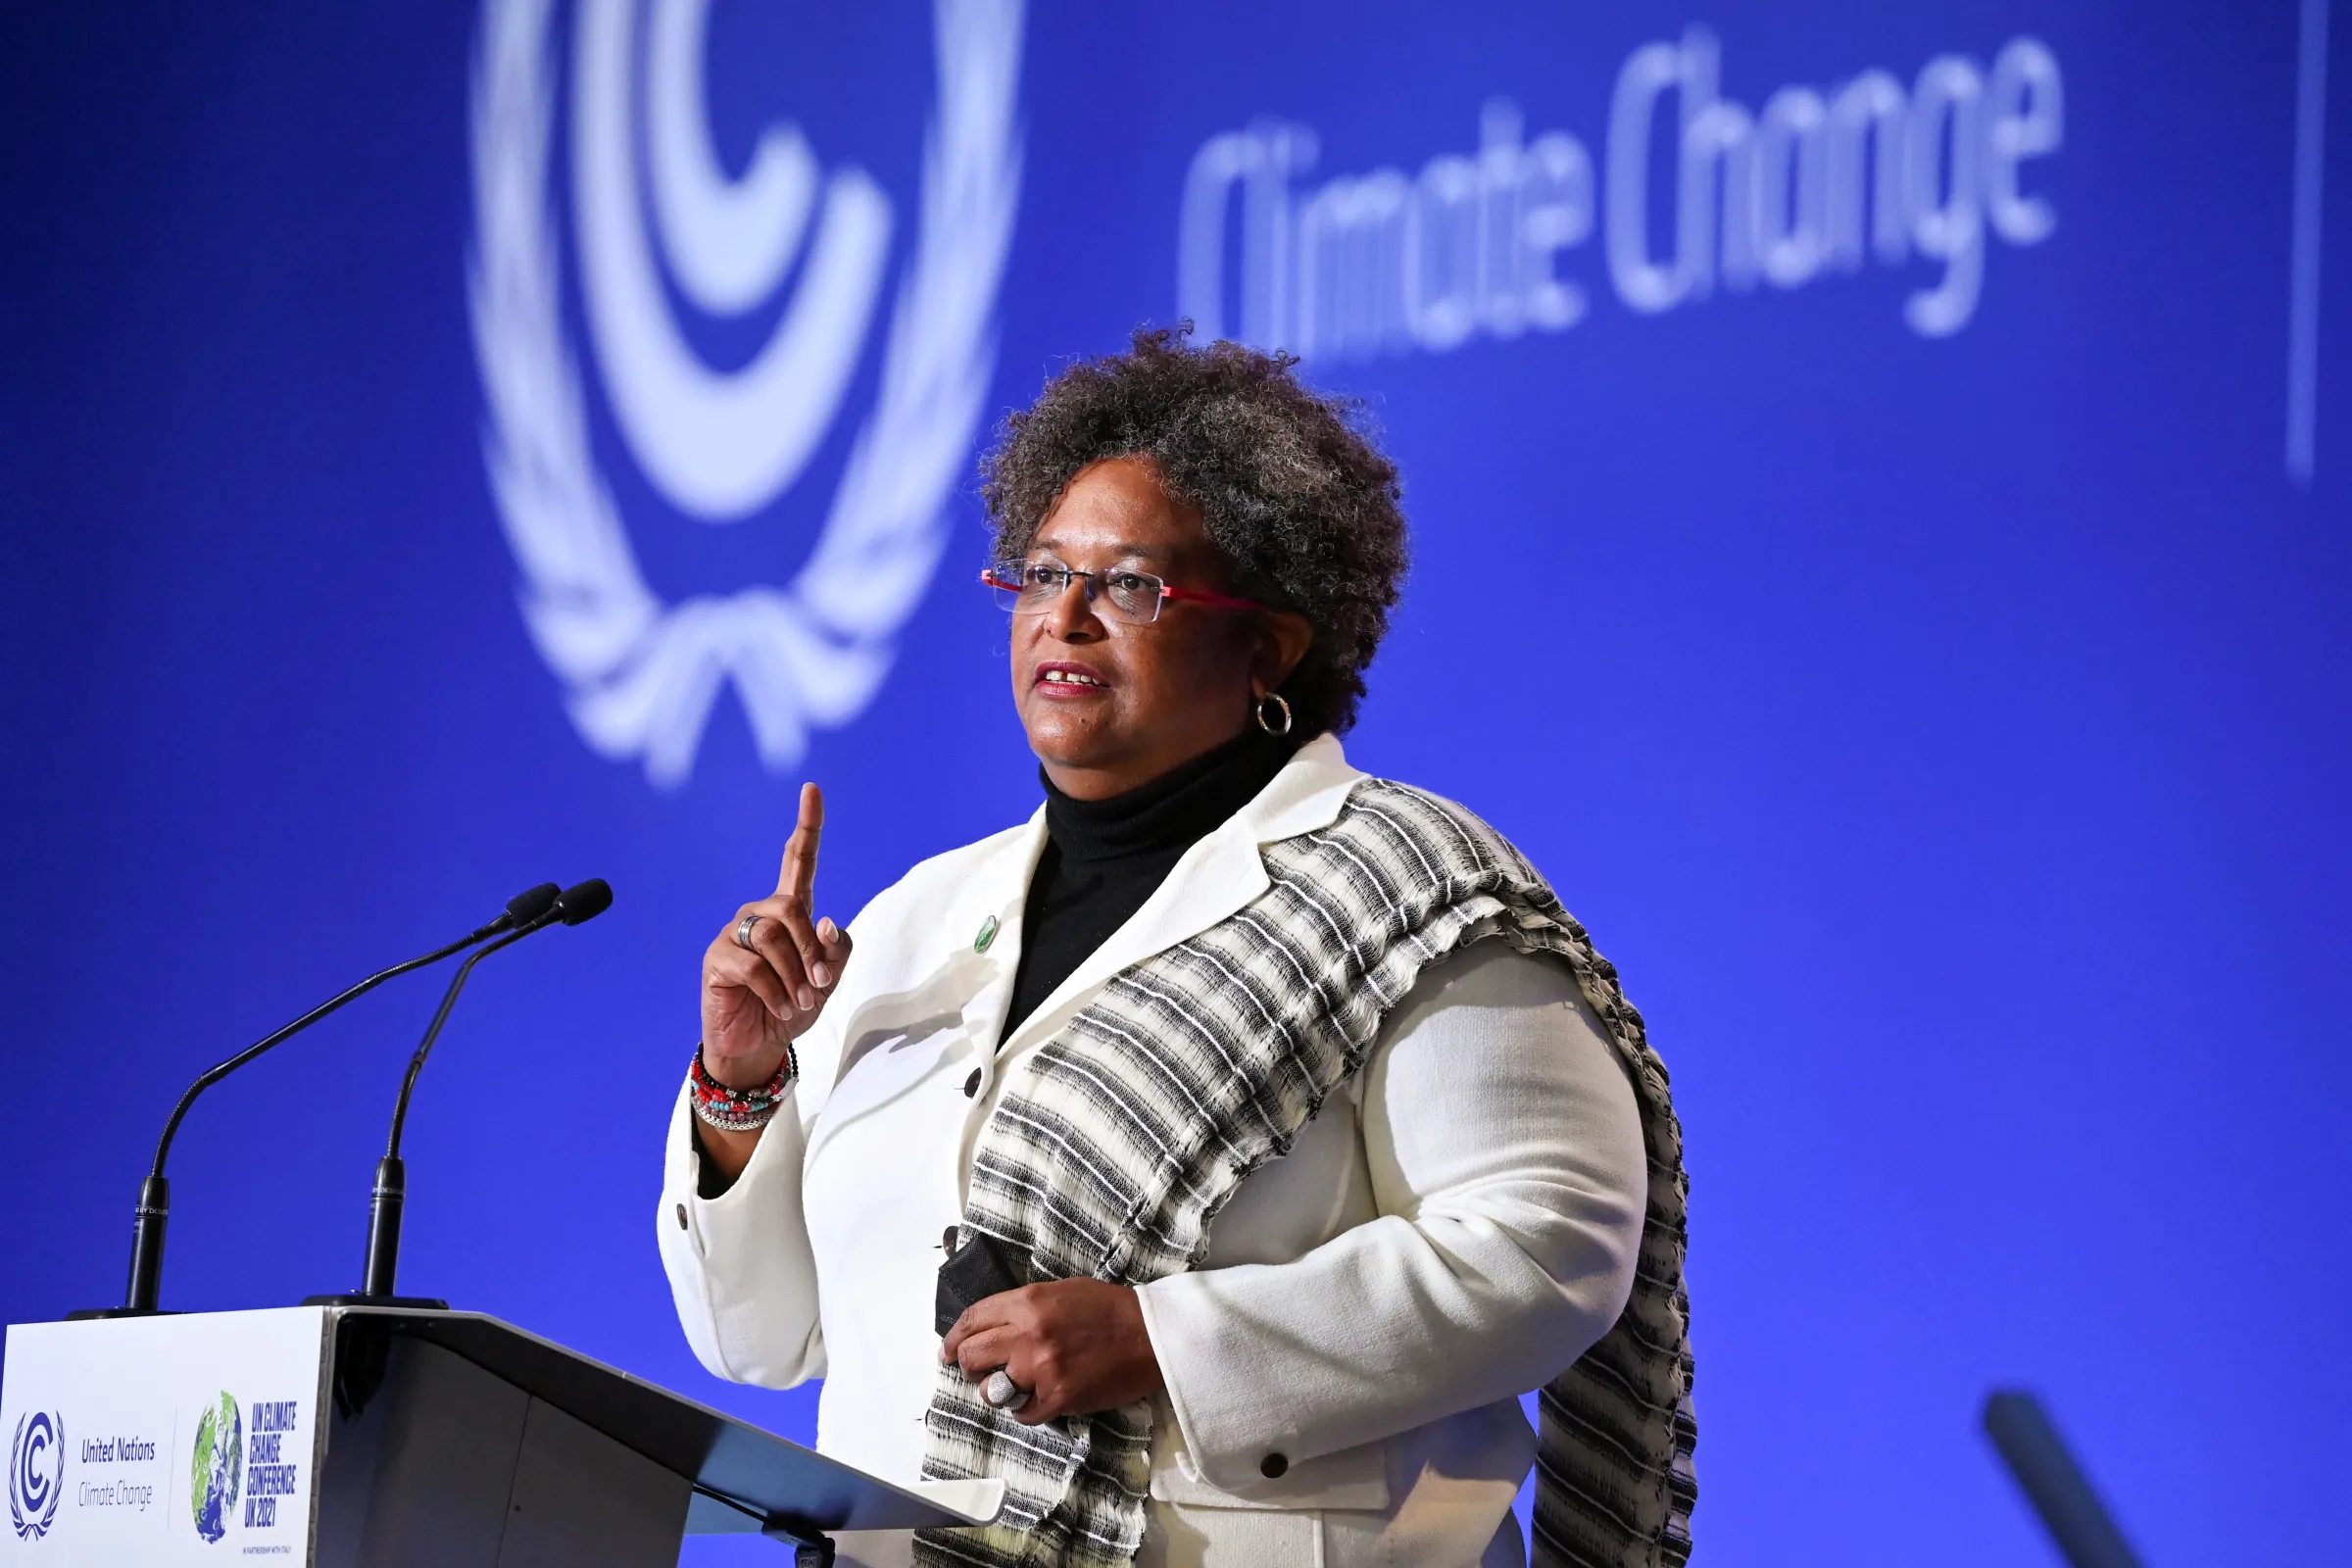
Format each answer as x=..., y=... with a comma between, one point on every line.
x=797, y=877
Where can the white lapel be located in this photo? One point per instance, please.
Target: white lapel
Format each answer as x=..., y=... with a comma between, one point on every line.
x=939, y=973
x=1216, y=876
x=999, y=896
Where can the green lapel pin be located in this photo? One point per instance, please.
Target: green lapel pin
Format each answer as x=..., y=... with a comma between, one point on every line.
x=988, y=934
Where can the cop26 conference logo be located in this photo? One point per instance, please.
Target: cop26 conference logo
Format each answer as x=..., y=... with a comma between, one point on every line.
x=641, y=674
x=36, y=1473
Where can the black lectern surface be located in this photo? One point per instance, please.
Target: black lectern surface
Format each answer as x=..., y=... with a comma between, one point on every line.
x=338, y=1435
x=732, y=1461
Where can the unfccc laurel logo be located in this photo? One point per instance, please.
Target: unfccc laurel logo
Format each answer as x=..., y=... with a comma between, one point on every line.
x=717, y=446
x=36, y=1473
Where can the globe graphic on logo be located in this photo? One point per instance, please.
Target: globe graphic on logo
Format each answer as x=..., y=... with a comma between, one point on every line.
x=216, y=1468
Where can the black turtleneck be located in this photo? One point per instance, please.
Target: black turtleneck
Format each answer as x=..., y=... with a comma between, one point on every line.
x=1102, y=859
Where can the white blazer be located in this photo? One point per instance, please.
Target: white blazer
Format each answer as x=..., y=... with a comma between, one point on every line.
x=1456, y=1226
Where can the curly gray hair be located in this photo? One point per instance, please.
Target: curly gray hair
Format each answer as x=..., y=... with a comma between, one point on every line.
x=1294, y=493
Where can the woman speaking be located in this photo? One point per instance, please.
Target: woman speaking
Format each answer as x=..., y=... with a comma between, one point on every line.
x=1216, y=1156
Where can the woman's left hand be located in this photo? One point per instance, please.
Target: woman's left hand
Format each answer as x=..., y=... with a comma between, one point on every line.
x=1077, y=1345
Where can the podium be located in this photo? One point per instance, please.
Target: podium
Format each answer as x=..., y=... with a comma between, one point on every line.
x=363, y=1437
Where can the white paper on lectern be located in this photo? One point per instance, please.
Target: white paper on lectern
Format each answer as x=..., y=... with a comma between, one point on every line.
x=103, y=1421
x=980, y=1500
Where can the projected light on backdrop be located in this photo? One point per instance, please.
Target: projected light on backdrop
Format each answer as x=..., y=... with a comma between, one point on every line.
x=641, y=675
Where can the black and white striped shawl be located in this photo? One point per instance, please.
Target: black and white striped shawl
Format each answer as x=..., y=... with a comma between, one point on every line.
x=1200, y=1064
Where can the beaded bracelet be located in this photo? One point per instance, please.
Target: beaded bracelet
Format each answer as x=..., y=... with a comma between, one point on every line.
x=740, y=1110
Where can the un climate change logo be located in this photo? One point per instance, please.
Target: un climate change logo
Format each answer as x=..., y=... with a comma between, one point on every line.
x=216, y=1467
x=642, y=674
x=36, y=1473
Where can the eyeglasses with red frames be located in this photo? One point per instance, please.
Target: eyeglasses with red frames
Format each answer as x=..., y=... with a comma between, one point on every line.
x=1030, y=588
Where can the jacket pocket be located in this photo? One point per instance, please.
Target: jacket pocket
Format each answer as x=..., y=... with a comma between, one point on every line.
x=1355, y=1478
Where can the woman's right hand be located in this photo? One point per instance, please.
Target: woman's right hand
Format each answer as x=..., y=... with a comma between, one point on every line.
x=757, y=1001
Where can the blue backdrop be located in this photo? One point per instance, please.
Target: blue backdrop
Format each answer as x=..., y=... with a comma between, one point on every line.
x=1879, y=484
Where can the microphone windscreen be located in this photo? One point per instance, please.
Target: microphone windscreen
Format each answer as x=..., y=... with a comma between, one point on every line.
x=585, y=900
x=531, y=902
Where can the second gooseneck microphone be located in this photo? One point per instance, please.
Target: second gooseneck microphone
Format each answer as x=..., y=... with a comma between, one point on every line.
x=154, y=1212
x=575, y=904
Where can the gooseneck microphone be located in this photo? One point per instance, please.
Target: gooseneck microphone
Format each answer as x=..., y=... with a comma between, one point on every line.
x=525, y=910
x=574, y=906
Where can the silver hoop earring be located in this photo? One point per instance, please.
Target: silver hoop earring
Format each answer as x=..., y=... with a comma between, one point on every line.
x=1277, y=699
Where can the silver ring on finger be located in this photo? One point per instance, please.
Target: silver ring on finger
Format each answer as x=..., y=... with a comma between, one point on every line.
x=743, y=931
x=1001, y=1392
